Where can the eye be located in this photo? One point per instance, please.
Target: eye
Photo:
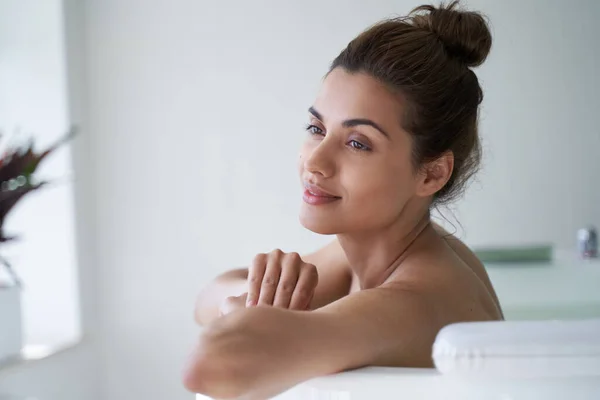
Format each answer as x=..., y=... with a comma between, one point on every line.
x=358, y=145
x=314, y=130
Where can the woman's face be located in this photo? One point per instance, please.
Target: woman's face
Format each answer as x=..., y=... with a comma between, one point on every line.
x=355, y=164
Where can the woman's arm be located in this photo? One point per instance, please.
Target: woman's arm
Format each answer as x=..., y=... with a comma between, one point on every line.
x=334, y=282
x=259, y=352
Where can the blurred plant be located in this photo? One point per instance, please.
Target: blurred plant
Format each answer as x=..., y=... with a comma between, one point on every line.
x=18, y=165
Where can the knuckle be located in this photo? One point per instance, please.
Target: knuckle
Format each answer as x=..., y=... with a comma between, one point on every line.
x=310, y=270
x=259, y=260
x=277, y=252
x=293, y=262
x=287, y=286
x=269, y=281
x=313, y=277
x=260, y=256
x=254, y=279
x=304, y=293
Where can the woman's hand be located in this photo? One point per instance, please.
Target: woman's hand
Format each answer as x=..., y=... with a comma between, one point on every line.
x=281, y=280
x=233, y=303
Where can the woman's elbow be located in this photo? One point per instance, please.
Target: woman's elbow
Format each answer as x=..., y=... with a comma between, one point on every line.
x=214, y=370
x=208, y=380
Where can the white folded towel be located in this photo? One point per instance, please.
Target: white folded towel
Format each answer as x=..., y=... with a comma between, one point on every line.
x=519, y=348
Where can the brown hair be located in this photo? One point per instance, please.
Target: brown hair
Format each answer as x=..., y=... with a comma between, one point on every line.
x=427, y=58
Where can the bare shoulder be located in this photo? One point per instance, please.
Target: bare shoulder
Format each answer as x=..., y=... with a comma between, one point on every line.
x=465, y=254
x=469, y=259
x=454, y=286
x=335, y=275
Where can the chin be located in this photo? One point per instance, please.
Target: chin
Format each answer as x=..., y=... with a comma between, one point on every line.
x=319, y=224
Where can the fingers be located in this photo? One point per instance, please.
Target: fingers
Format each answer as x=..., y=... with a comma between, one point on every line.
x=232, y=304
x=290, y=270
x=255, y=278
x=303, y=293
x=270, y=279
x=282, y=280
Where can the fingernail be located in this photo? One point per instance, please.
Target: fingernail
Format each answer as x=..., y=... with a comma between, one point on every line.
x=250, y=303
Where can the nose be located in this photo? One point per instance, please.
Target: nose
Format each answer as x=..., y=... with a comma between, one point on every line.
x=320, y=159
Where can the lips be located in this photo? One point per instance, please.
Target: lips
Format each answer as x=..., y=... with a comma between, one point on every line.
x=316, y=195
x=318, y=191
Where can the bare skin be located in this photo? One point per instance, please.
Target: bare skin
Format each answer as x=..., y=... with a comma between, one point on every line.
x=440, y=282
x=336, y=279
x=377, y=295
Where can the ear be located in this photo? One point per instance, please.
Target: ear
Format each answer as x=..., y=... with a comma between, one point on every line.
x=435, y=174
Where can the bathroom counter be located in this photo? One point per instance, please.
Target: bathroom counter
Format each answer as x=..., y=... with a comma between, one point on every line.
x=565, y=288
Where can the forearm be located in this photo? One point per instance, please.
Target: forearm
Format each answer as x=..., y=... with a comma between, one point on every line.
x=231, y=283
x=258, y=352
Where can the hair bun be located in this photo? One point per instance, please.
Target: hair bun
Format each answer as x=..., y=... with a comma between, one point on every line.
x=465, y=34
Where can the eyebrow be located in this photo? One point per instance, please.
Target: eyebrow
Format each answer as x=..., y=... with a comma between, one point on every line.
x=350, y=123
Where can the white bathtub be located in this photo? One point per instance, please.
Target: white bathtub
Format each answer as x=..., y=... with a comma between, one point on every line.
x=428, y=384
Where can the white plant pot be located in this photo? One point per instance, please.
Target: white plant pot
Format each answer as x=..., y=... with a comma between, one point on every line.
x=11, y=338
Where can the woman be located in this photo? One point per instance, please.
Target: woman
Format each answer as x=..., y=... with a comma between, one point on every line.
x=392, y=133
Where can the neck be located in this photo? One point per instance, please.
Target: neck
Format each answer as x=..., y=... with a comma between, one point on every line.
x=375, y=255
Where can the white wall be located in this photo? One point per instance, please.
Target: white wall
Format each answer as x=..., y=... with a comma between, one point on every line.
x=33, y=99
x=195, y=117
x=73, y=374
x=541, y=137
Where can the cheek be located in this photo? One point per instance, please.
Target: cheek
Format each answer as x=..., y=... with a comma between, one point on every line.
x=380, y=188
